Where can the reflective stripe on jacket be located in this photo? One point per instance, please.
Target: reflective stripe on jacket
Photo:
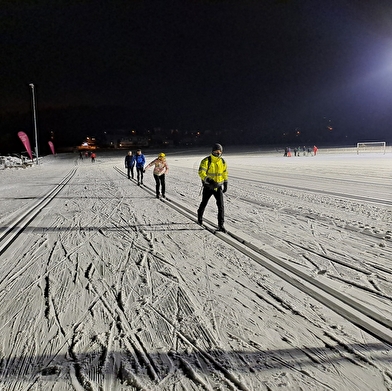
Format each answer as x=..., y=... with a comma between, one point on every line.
x=215, y=168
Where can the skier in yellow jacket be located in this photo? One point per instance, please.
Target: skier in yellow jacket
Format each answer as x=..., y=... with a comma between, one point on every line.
x=214, y=175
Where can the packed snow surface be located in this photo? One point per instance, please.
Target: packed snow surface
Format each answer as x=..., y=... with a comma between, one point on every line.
x=109, y=288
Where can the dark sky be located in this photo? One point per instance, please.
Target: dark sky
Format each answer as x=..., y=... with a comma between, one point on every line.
x=280, y=64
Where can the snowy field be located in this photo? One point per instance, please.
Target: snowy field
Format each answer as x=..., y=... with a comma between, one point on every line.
x=107, y=288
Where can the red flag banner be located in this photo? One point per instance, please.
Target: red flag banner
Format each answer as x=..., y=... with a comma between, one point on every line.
x=51, y=146
x=26, y=142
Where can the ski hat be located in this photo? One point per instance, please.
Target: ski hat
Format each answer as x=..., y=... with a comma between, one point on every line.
x=161, y=155
x=217, y=147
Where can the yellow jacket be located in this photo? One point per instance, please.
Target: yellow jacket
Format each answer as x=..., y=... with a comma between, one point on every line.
x=214, y=168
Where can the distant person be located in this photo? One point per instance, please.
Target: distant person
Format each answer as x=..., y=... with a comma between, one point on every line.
x=214, y=176
x=81, y=155
x=129, y=164
x=160, y=170
x=304, y=150
x=140, y=161
x=93, y=156
x=315, y=149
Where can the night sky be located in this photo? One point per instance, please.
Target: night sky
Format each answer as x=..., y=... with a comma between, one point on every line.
x=260, y=66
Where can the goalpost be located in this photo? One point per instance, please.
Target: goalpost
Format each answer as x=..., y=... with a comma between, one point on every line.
x=371, y=146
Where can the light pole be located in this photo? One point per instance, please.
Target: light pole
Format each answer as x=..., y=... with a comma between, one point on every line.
x=35, y=121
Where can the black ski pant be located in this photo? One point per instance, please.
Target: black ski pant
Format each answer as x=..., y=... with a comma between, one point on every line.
x=207, y=193
x=130, y=171
x=160, y=182
x=139, y=173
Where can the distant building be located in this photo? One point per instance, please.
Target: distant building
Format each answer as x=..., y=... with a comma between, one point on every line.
x=133, y=141
x=88, y=144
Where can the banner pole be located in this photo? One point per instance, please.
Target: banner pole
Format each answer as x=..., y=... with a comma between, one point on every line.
x=35, y=122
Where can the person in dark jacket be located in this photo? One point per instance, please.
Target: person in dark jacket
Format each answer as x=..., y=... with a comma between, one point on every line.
x=129, y=164
x=140, y=161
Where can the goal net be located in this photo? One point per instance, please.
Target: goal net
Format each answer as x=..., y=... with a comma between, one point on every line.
x=371, y=146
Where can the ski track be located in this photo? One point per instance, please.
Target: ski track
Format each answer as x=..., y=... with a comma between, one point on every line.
x=126, y=304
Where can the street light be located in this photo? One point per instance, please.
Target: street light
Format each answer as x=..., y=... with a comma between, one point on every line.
x=35, y=122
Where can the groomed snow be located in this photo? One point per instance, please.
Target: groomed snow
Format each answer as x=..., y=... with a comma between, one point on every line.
x=109, y=288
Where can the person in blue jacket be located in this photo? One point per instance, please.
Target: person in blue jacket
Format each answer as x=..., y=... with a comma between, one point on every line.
x=129, y=164
x=140, y=161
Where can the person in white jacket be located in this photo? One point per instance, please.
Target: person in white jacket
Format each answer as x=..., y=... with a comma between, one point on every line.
x=160, y=170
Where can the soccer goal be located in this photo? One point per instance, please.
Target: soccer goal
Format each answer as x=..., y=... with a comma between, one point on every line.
x=371, y=146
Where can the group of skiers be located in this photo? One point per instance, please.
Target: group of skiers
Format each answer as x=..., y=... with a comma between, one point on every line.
x=287, y=151
x=87, y=154
x=212, y=172
x=138, y=161
x=135, y=161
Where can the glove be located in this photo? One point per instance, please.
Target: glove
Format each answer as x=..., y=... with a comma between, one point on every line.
x=224, y=187
x=144, y=170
